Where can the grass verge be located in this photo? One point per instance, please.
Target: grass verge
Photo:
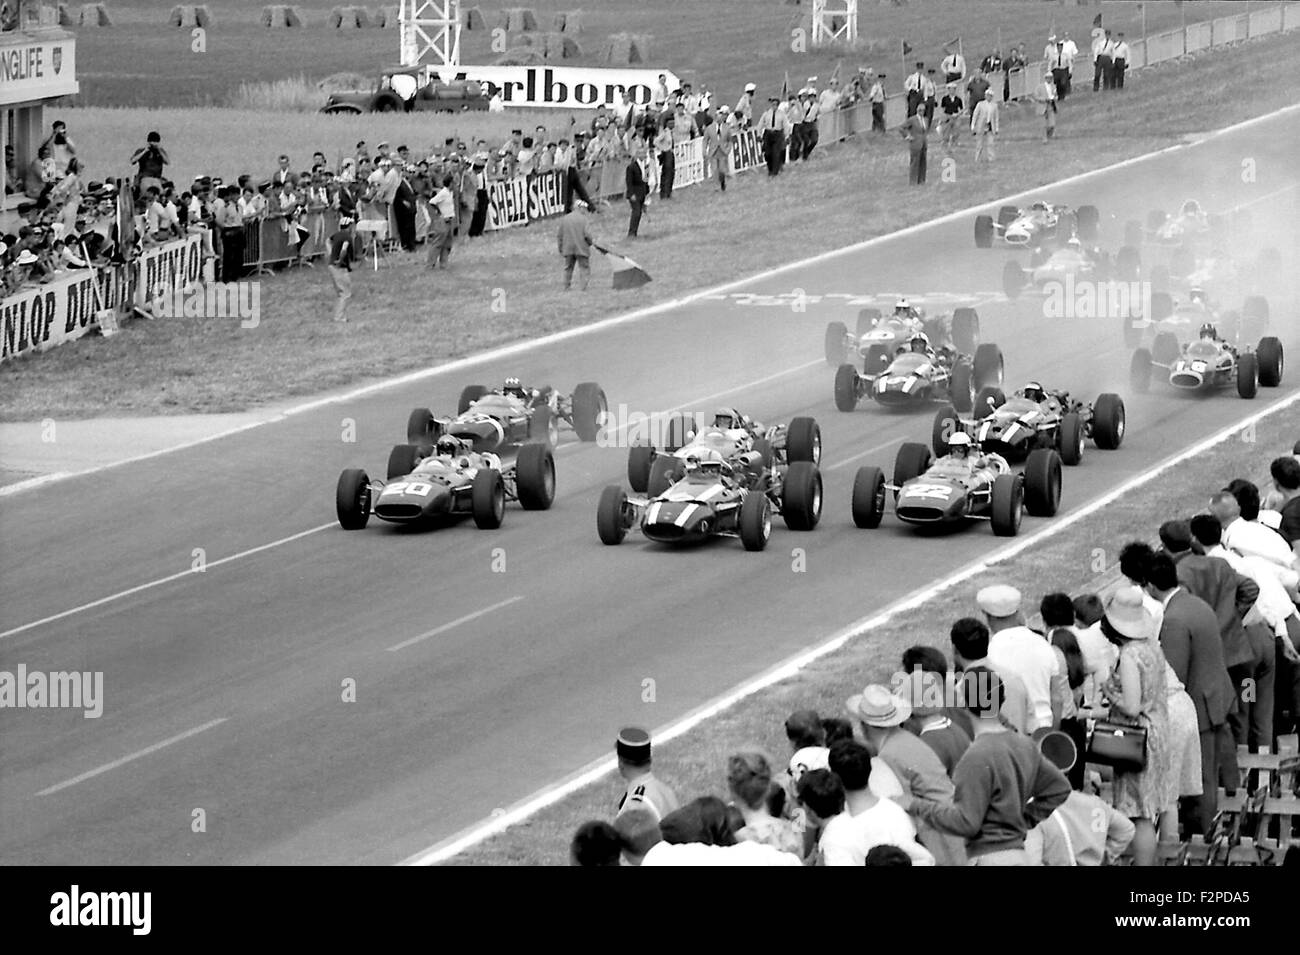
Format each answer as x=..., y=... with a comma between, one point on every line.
x=506, y=287
x=694, y=763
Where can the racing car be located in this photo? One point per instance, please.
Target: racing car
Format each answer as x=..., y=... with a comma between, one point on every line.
x=1034, y=418
x=1190, y=225
x=922, y=374
x=449, y=479
x=736, y=437
x=711, y=497
x=511, y=415
x=965, y=484
x=1210, y=363
x=1042, y=224
x=878, y=337
x=1074, y=260
x=1175, y=323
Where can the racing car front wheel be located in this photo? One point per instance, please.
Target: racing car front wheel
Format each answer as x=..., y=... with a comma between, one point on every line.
x=535, y=476
x=639, y=459
x=803, y=440
x=470, y=394
x=846, y=388
x=401, y=460
x=1139, y=371
x=946, y=424
x=352, y=499
x=988, y=366
x=1043, y=482
x=867, y=318
x=755, y=521
x=801, y=496
x=1008, y=504
x=421, y=429
x=876, y=360
x=965, y=330
x=1247, y=375
x=868, y=497
x=961, y=389
x=1069, y=439
x=989, y=400
x=610, y=524
x=663, y=475
x=1164, y=348
x=984, y=232
x=542, y=426
x=488, y=499
x=912, y=461
x=836, y=349
x=1108, y=421
x=1269, y=354
x=589, y=409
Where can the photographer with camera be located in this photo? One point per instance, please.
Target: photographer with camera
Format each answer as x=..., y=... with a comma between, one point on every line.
x=62, y=149
x=150, y=159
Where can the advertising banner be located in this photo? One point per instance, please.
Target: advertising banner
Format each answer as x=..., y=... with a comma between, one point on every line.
x=565, y=87
x=43, y=316
x=517, y=201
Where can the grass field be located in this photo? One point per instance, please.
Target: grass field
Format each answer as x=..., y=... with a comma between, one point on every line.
x=182, y=365
x=694, y=764
x=143, y=62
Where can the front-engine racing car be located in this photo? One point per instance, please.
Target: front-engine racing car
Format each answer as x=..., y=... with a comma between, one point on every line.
x=920, y=375
x=447, y=480
x=1210, y=363
x=965, y=484
x=507, y=417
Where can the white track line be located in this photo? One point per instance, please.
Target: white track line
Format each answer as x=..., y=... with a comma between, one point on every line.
x=455, y=623
x=134, y=756
x=597, y=770
x=519, y=348
x=862, y=454
x=166, y=580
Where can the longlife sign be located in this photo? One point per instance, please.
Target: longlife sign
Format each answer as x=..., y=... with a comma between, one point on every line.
x=36, y=69
x=524, y=199
x=566, y=87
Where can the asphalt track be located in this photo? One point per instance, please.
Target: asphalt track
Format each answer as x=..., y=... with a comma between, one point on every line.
x=475, y=687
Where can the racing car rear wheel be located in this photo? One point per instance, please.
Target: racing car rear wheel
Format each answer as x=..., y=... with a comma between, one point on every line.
x=801, y=496
x=836, y=351
x=1247, y=375
x=876, y=360
x=1007, y=215
x=867, y=317
x=944, y=427
x=1108, y=421
x=610, y=523
x=868, y=497
x=1155, y=219
x=401, y=460
x=488, y=498
x=1160, y=278
x=1181, y=263
x=1069, y=439
x=1229, y=327
x=912, y=461
x=755, y=521
x=965, y=330
x=1269, y=355
x=535, y=476
x=763, y=448
x=1128, y=264
x=846, y=388
x=1139, y=371
x=639, y=459
x=469, y=395
x=663, y=475
x=1087, y=220
x=421, y=428
x=988, y=366
x=1043, y=482
x=1133, y=232
x=589, y=408
x=1008, y=504
x=1013, y=279
x=961, y=389
x=352, y=499
x=680, y=428
x=1164, y=350
x=1254, y=317
x=803, y=440
x=543, y=427
x=1162, y=306
x=1132, y=332
x=989, y=399
x=984, y=232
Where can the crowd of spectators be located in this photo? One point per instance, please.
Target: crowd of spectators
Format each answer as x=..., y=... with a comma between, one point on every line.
x=978, y=753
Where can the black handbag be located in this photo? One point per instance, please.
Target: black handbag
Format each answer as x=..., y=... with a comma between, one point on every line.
x=1119, y=745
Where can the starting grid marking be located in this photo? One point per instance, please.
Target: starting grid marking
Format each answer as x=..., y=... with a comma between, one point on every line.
x=885, y=300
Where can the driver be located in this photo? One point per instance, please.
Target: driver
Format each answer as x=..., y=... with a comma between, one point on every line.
x=1074, y=245
x=728, y=419
x=1033, y=391
x=1209, y=333
x=447, y=447
x=959, y=446
x=514, y=388
x=920, y=344
x=903, y=309
x=1197, y=296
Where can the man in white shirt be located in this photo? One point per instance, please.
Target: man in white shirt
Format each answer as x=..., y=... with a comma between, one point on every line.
x=744, y=111
x=852, y=819
x=829, y=98
x=1246, y=536
x=1119, y=62
x=1101, y=50
x=954, y=68
x=1015, y=648
x=984, y=124
x=914, y=87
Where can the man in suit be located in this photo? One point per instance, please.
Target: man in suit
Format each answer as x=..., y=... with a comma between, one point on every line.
x=636, y=188
x=1189, y=636
x=717, y=147
x=284, y=174
x=914, y=86
x=913, y=130
x=573, y=241
x=771, y=129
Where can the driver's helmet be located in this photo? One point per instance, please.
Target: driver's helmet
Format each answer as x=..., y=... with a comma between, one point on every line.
x=703, y=457
x=1039, y=207
x=726, y=419
x=902, y=307
x=959, y=445
x=1073, y=244
x=513, y=386
x=1197, y=295
x=920, y=343
x=447, y=447
x=1191, y=208
x=1209, y=332
x=1033, y=391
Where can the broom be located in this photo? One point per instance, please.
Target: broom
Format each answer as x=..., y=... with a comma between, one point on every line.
x=105, y=317
x=627, y=274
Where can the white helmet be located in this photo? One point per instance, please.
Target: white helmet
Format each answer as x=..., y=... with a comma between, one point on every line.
x=959, y=444
x=1074, y=243
x=902, y=305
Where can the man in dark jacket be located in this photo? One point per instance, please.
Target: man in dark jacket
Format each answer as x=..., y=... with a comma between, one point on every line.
x=1189, y=636
x=573, y=241
x=636, y=188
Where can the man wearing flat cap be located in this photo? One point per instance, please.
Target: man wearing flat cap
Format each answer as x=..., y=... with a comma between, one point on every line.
x=1014, y=648
x=635, y=766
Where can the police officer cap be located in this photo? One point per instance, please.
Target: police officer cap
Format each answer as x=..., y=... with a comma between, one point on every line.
x=1000, y=600
x=633, y=745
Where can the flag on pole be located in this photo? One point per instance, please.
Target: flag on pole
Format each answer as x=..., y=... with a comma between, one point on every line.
x=955, y=42
x=1096, y=21
x=627, y=274
x=785, y=87
x=907, y=48
x=835, y=73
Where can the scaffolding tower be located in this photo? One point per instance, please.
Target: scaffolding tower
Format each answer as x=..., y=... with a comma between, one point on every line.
x=834, y=21
x=430, y=31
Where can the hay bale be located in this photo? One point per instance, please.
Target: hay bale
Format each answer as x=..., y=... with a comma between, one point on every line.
x=617, y=50
x=567, y=21
x=473, y=19
x=95, y=15
x=642, y=44
x=279, y=16
x=520, y=56
x=386, y=18
x=361, y=16
x=520, y=19
x=557, y=46
x=190, y=15
x=66, y=19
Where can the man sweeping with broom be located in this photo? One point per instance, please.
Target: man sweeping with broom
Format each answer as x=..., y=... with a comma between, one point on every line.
x=574, y=241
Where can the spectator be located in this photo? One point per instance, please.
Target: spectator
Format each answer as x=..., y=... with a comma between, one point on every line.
x=638, y=828
x=717, y=150
x=1045, y=96
x=749, y=779
x=1014, y=648
x=976, y=87
x=1238, y=512
x=62, y=149
x=771, y=131
x=636, y=189
x=1119, y=62
x=876, y=95
x=1057, y=612
x=807, y=738
x=635, y=765
x=951, y=106
x=1285, y=472
x=835, y=730
x=913, y=130
x=596, y=843
x=1189, y=638
x=745, y=106
x=341, y=253
x=984, y=124
x=667, y=162
x=970, y=645
x=40, y=176
x=149, y=161
x=700, y=834
x=442, y=224
x=888, y=856
x=864, y=820
x=954, y=67
x=1184, y=752
x=1002, y=783
x=284, y=175
x=1102, y=47
x=1083, y=830
x=945, y=729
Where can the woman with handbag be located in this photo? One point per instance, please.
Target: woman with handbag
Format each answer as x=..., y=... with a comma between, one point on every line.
x=1135, y=738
